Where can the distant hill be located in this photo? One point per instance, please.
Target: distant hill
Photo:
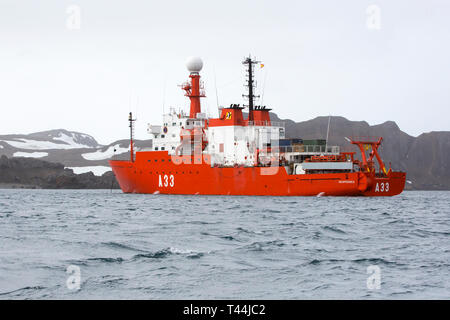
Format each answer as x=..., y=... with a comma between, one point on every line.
x=52, y=139
x=72, y=149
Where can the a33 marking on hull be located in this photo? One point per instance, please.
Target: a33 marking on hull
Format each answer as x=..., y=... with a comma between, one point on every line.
x=382, y=187
x=166, y=181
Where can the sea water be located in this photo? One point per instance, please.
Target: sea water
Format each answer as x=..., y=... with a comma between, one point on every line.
x=98, y=244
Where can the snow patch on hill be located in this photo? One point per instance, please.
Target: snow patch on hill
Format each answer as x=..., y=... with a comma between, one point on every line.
x=30, y=154
x=51, y=140
x=70, y=140
x=28, y=144
x=96, y=170
x=34, y=144
x=105, y=154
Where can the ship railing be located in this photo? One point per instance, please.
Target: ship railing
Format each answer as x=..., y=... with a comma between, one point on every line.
x=264, y=123
x=365, y=138
x=307, y=149
x=121, y=157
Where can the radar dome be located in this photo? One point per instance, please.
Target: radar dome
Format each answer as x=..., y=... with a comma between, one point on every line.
x=194, y=64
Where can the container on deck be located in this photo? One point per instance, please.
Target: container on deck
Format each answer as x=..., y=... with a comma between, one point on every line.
x=298, y=147
x=315, y=142
x=289, y=142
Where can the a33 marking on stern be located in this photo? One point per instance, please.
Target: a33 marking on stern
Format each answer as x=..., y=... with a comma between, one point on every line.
x=382, y=187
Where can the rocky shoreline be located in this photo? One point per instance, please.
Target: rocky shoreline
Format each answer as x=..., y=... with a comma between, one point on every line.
x=29, y=173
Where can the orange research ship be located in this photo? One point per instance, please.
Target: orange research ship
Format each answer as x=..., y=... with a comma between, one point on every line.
x=234, y=155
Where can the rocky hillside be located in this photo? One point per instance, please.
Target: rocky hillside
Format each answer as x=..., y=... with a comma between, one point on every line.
x=78, y=151
x=35, y=173
x=427, y=161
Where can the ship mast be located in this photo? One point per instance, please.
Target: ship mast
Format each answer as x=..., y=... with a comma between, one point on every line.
x=250, y=85
x=131, y=120
x=194, y=88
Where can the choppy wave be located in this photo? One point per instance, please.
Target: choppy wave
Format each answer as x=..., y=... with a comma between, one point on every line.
x=19, y=292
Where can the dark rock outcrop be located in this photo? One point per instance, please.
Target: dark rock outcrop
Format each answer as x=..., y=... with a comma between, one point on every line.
x=34, y=173
x=428, y=161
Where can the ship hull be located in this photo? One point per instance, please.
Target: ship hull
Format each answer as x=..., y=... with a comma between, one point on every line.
x=156, y=173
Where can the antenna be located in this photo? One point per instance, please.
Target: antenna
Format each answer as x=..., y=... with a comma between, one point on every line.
x=328, y=132
x=215, y=85
x=137, y=105
x=164, y=95
x=207, y=108
x=264, y=87
x=250, y=85
x=131, y=120
x=129, y=100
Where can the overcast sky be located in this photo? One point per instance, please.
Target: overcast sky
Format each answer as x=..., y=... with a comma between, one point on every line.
x=365, y=60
